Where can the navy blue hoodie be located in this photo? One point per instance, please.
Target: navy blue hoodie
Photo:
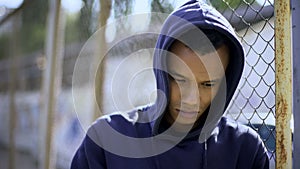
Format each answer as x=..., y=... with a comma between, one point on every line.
x=141, y=139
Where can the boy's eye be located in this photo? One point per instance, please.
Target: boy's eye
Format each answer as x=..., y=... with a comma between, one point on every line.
x=209, y=84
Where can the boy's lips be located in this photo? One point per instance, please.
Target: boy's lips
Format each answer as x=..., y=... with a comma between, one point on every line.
x=187, y=114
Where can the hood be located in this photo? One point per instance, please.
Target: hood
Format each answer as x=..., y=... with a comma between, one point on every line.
x=190, y=15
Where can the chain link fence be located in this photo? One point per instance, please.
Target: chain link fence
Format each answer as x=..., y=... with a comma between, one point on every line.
x=254, y=101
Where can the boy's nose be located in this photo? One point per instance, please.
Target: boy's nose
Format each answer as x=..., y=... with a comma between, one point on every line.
x=191, y=98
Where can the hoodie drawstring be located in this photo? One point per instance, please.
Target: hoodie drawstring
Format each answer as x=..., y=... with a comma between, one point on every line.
x=205, y=154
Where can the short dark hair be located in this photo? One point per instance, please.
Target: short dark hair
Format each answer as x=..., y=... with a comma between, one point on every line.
x=195, y=41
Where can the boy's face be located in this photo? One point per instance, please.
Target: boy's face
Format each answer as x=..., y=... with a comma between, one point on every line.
x=193, y=85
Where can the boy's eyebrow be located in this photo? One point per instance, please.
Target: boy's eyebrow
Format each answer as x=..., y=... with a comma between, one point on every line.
x=175, y=74
x=208, y=81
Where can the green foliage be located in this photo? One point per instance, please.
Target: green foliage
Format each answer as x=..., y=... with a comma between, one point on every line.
x=33, y=32
x=222, y=5
x=84, y=21
x=72, y=33
x=4, y=46
x=30, y=31
x=33, y=21
x=161, y=6
x=35, y=12
x=122, y=7
x=33, y=38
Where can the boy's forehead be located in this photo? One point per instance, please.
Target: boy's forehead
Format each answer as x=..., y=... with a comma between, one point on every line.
x=207, y=65
x=180, y=52
x=183, y=59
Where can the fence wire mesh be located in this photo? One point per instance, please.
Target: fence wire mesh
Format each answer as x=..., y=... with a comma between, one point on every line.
x=254, y=102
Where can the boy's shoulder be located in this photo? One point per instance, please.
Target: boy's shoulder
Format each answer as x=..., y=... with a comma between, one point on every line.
x=238, y=130
x=131, y=116
x=130, y=123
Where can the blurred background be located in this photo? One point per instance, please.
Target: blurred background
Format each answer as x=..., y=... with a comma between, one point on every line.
x=40, y=43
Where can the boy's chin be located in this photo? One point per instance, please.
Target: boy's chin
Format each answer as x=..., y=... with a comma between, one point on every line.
x=185, y=121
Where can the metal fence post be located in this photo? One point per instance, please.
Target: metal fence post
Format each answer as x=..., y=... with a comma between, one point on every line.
x=296, y=80
x=283, y=82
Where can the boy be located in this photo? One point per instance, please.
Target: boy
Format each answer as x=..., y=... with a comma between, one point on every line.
x=198, y=63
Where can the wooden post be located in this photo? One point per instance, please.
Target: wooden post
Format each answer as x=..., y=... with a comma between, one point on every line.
x=51, y=83
x=100, y=74
x=14, y=53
